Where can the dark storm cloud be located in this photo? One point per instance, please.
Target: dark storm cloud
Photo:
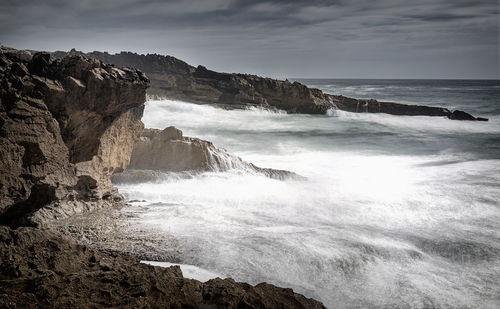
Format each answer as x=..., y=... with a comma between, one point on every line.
x=384, y=38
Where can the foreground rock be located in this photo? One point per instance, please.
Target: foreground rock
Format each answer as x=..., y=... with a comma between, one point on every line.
x=43, y=269
x=169, y=151
x=174, y=79
x=65, y=127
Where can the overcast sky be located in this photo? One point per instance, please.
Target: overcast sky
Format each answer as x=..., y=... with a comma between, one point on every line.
x=294, y=38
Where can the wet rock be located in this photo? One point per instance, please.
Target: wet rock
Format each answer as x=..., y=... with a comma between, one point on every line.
x=168, y=150
x=374, y=106
x=461, y=115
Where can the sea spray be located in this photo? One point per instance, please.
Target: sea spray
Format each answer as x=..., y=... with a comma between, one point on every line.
x=395, y=211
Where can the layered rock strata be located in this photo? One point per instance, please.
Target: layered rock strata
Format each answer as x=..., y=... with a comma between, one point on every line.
x=65, y=127
x=175, y=79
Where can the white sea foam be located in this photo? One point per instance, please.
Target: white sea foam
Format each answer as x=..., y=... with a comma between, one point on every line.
x=395, y=211
x=422, y=123
x=188, y=271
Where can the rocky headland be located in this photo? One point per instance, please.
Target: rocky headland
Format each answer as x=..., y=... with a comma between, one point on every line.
x=66, y=127
x=175, y=79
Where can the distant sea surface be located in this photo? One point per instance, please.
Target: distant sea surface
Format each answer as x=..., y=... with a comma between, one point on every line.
x=396, y=211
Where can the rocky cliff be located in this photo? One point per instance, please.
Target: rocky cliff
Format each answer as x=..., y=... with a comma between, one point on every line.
x=174, y=79
x=65, y=127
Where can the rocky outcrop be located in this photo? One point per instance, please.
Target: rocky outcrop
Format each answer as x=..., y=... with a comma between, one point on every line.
x=169, y=151
x=41, y=269
x=65, y=127
x=174, y=79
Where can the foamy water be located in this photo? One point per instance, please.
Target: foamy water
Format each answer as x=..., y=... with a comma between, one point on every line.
x=395, y=212
x=188, y=271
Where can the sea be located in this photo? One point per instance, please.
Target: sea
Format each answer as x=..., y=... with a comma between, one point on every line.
x=394, y=211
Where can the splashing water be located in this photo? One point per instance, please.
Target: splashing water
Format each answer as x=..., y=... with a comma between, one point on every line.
x=395, y=211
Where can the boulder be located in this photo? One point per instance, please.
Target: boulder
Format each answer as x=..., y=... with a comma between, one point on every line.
x=169, y=151
x=461, y=115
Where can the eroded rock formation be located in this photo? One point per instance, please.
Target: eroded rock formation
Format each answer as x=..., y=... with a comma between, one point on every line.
x=42, y=269
x=174, y=79
x=65, y=127
x=168, y=150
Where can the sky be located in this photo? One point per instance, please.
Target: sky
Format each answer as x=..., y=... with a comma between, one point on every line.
x=282, y=39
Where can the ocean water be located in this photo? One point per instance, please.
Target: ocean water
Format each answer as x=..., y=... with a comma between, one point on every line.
x=396, y=211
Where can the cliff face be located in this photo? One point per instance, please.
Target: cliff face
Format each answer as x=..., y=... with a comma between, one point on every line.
x=65, y=126
x=174, y=79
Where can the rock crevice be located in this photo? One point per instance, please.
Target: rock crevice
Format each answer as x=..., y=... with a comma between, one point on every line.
x=65, y=127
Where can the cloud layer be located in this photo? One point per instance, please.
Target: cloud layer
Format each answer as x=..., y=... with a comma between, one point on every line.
x=294, y=38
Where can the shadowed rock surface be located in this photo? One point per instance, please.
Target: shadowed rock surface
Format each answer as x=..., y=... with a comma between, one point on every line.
x=65, y=127
x=44, y=269
x=175, y=79
x=168, y=150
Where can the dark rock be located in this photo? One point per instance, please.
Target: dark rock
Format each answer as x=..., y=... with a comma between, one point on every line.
x=40, y=268
x=461, y=115
x=39, y=65
x=374, y=106
x=174, y=79
x=66, y=126
x=19, y=69
x=59, y=141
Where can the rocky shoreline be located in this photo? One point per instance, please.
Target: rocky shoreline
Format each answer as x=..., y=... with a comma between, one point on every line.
x=175, y=79
x=71, y=123
x=66, y=126
x=41, y=268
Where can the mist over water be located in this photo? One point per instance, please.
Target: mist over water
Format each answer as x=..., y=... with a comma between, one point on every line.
x=395, y=212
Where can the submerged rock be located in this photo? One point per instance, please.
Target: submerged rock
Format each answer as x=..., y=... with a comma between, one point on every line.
x=169, y=151
x=461, y=115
